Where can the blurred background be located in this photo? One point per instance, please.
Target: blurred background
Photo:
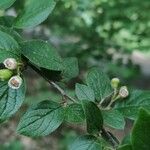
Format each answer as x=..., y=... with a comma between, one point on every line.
x=113, y=35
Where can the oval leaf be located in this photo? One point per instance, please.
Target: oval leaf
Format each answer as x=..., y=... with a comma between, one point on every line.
x=114, y=119
x=87, y=142
x=71, y=69
x=4, y=4
x=42, y=54
x=141, y=132
x=41, y=119
x=100, y=83
x=8, y=43
x=75, y=113
x=94, y=119
x=35, y=12
x=84, y=92
x=5, y=54
x=130, y=106
x=10, y=31
x=10, y=100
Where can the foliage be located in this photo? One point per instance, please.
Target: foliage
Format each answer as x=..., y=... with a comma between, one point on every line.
x=96, y=102
x=98, y=28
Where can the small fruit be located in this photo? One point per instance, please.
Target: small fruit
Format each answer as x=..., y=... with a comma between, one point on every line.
x=10, y=63
x=115, y=82
x=15, y=82
x=5, y=74
x=123, y=92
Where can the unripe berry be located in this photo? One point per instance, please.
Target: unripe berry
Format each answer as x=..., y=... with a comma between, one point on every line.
x=15, y=82
x=5, y=74
x=123, y=92
x=115, y=82
x=10, y=63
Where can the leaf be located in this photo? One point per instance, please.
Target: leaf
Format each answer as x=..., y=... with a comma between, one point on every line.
x=51, y=74
x=94, y=119
x=126, y=140
x=6, y=21
x=34, y=12
x=114, y=119
x=87, y=142
x=10, y=100
x=71, y=69
x=11, y=31
x=100, y=83
x=75, y=113
x=130, y=106
x=41, y=119
x=4, y=4
x=42, y=54
x=8, y=43
x=140, y=137
x=84, y=92
x=125, y=147
x=5, y=54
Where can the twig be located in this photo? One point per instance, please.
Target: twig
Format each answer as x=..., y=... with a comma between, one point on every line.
x=108, y=137
x=56, y=86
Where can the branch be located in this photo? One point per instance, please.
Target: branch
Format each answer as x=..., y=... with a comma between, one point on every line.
x=105, y=134
x=56, y=86
x=110, y=138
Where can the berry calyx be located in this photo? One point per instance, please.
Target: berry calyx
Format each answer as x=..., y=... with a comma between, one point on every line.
x=15, y=82
x=123, y=92
x=10, y=63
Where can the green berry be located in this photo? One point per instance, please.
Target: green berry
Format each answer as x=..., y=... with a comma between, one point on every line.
x=115, y=82
x=5, y=74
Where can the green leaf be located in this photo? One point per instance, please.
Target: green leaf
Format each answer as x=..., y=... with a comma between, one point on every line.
x=84, y=92
x=42, y=54
x=94, y=119
x=8, y=43
x=5, y=54
x=126, y=147
x=114, y=119
x=100, y=83
x=87, y=142
x=41, y=119
x=126, y=140
x=6, y=50
x=71, y=69
x=141, y=132
x=34, y=12
x=6, y=21
x=130, y=106
x=11, y=32
x=10, y=100
x=4, y=4
x=74, y=113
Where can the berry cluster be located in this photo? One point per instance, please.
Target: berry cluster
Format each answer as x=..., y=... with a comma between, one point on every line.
x=121, y=91
x=11, y=73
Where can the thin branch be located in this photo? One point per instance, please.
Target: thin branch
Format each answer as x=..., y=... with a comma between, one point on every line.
x=108, y=137
x=56, y=86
